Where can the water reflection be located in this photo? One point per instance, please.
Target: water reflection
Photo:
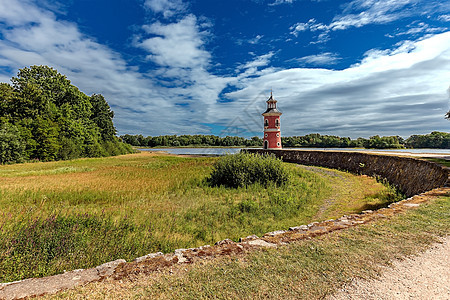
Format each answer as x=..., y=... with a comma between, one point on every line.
x=223, y=151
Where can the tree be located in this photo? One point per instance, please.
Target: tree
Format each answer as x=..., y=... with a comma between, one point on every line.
x=12, y=147
x=447, y=115
x=103, y=116
x=54, y=119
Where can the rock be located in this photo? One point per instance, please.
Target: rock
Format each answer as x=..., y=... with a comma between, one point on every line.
x=367, y=211
x=344, y=220
x=224, y=242
x=411, y=205
x=249, y=238
x=48, y=285
x=200, y=248
x=179, y=255
x=108, y=268
x=297, y=228
x=148, y=256
x=316, y=228
x=341, y=224
x=274, y=233
x=261, y=243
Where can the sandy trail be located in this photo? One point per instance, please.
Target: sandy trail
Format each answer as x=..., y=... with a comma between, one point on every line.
x=426, y=276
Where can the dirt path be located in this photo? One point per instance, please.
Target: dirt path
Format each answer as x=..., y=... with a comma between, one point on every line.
x=344, y=182
x=426, y=276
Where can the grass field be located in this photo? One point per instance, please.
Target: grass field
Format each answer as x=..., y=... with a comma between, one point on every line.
x=66, y=215
x=309, y=269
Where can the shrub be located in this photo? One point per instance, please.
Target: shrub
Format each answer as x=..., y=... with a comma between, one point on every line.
x=243, y=169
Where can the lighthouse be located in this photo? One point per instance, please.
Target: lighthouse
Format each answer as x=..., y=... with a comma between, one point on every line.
x=272, y=132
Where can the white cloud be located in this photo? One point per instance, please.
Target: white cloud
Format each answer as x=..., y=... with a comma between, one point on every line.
x=167, y=8
x=395, y=91
x=14, y=14
x=444, y=18
x=359, y=13
x=311, y=25
x=94, y=68
x=259, y=61
x=326, y=58
x=418, y=28
x=391, y=91
x=176, y=44
x=255, y=40
x=278, y=2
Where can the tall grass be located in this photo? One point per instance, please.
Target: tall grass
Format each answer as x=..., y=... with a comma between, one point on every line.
x=65, y=215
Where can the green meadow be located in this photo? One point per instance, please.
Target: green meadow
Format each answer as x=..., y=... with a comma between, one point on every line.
x=65, y=215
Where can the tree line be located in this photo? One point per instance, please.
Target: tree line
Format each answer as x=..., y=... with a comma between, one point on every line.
x=439, y=140
x=44, y=117
x=190, y=140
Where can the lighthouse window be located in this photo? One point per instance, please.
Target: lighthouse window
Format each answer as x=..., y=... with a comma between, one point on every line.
x=266, y=135
x=278, y=144
x=277, y=122
x=278, y=135
x=266, y=122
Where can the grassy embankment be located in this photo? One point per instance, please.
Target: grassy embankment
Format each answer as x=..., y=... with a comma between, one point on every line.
x=309, y=269
x=66, y=215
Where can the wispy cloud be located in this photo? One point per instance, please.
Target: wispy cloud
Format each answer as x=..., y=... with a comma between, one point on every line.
x=167, y=8
x=311, y=25
x=359, y=13
x=417, y=29
x=176, y=44
x=322, y=59
x=278, y=2
x=259, y=61
x=444, y=18
x=255, y=40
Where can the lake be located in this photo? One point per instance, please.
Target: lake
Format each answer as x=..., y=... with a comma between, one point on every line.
x=223, y=151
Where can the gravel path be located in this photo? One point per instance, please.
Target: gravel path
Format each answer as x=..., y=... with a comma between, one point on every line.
x=426, y=276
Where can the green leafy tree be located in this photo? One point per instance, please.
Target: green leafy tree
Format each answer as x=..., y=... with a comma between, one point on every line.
x=54, y=119
x=103, y=117
x=435, y=139
x=12, y=147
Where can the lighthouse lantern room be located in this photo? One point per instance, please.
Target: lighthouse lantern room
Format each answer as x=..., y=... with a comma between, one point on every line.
x=272, y=132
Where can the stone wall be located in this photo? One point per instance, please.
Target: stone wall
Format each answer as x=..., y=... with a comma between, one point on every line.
x=411, y=176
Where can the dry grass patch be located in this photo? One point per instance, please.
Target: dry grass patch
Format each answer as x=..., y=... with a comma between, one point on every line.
x=131, y=205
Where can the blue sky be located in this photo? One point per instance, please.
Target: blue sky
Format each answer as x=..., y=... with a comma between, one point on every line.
x=349, y=68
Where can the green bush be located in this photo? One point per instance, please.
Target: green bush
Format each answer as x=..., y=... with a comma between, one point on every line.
x=243, y=169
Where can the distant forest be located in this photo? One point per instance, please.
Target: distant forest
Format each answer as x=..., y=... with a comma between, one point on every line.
x=436, y=140
x=44, y=117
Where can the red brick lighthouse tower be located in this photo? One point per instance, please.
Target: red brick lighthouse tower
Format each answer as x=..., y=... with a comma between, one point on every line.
x=272, y=132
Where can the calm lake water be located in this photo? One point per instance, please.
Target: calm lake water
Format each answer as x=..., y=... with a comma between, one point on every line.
x=223, y=151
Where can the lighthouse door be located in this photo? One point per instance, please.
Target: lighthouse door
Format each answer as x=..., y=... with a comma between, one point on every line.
x=266, y=144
